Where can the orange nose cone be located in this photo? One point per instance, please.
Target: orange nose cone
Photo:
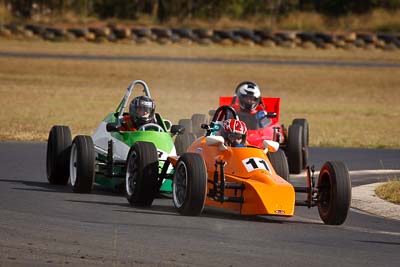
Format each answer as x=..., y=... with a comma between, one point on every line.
x=268, y=199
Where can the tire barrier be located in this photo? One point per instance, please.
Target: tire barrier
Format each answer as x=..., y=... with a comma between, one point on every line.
x=201, y=36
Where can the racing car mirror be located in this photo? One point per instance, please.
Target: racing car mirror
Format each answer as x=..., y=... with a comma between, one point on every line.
x=112, y=127
x=177, y=129
x=270, y=146
x=215, y=141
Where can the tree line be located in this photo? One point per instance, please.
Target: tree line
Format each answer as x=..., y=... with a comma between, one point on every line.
x=163, y=10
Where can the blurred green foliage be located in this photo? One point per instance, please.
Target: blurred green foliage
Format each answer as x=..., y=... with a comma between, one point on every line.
x=162, y=10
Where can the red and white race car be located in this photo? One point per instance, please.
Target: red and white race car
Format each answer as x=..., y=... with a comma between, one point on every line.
x=263, y=124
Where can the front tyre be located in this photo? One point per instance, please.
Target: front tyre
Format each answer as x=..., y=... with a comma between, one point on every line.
x=334, y=192
x=141, y=179
x=57, y=157
x=190, y=184
x=82, y=162
x=279, y=163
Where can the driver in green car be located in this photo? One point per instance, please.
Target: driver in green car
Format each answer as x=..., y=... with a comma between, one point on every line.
x=141, y=111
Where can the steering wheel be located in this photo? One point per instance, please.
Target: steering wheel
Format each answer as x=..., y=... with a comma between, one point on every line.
x=151, y=127
x=222, y=113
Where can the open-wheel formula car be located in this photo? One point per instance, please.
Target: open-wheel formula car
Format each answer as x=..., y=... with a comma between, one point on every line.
x=265, y=125
x=102, y=157
x=242, y=179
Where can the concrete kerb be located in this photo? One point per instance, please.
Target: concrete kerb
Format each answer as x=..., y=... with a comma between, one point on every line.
x=364, y=198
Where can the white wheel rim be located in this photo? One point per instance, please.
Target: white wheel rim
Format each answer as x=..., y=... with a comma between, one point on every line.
x=72, y=164
x=179, y=188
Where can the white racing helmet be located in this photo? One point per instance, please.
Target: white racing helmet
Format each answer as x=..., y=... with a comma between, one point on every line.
x=249, y=95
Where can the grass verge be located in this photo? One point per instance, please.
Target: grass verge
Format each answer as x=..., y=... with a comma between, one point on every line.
x=389, y=191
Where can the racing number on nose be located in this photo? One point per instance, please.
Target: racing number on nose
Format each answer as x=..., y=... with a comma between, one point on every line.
x=252, y=164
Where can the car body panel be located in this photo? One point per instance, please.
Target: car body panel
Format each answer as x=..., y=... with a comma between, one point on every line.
x=122, y=141
x=265, y=192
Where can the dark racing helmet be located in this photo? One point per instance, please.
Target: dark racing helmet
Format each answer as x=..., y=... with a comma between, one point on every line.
x=141, y=110
x=249, y=95
x=234, y=132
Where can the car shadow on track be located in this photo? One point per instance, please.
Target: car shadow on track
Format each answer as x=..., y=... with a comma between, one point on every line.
x=157, y=209
x=165, y=207
x=47, y=187
x=218, y=213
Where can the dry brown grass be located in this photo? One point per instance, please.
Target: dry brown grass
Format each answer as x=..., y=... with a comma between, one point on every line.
x=347, y=107
x=377, y=20
x=389, y=191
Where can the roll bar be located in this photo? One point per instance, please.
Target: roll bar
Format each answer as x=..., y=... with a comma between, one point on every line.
x=122, y=105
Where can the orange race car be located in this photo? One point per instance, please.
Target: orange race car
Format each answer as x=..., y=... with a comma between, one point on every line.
x=242, y=179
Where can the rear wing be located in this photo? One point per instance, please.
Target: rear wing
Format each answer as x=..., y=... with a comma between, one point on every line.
x=270, y=104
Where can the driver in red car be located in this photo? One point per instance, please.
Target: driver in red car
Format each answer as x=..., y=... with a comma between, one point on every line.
x=250, y=108
x=141, y=112
x=234, y=133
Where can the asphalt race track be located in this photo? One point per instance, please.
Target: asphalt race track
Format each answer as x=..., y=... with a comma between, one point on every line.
x=325, y=63
x=46, y=225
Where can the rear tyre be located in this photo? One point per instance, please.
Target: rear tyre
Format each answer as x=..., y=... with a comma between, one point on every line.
x=187, y=123
x=294, y=149
x=141, y=179
x=183, y=141
x=190, y=184
x=197, y=121
x=279, y=162
x=57, y=157
x=334, y=195
x=304, y=124
x=82, y=163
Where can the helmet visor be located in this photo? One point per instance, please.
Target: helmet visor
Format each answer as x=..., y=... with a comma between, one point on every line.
x=143, y=111
x=250, y=100
x=235, y=138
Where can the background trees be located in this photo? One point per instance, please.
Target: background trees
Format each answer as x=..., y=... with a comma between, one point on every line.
x=163, y=10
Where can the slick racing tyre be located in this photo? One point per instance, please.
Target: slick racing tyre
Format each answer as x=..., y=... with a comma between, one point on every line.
x=183, y=141
x=190, y=184
x=187, y=123
x=82, y=162
x=279, y=163
x=141, y=179
x=295, y=148
x=197, y=121
x=304, y=124
x=334, y=192
x=57, y=158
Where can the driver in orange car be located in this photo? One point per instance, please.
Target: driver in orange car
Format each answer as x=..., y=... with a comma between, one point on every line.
x=234, y=133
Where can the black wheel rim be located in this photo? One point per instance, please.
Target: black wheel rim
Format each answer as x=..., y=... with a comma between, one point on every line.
x=180, y=185
x=324, y=199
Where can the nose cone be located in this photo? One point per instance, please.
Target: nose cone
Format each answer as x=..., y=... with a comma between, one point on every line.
x=272, y=198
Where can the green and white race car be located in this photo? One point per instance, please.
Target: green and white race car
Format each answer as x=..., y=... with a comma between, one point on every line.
x=102, y=157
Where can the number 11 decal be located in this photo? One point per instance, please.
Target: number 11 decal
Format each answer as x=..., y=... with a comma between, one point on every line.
x=252, y=164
